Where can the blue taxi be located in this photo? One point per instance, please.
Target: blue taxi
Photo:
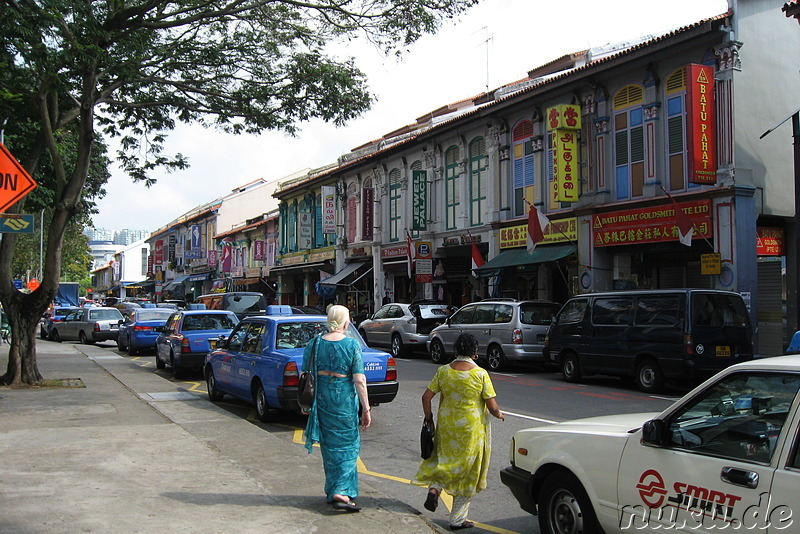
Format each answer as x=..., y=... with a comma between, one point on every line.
x=260, y=362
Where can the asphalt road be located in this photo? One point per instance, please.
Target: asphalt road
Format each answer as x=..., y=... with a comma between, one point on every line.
x=390, y=448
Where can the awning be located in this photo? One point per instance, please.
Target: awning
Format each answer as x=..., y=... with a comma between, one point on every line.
x=299, y=267
x=199, y=277
x=348, y=275
x=520, y=256
x=174, y=283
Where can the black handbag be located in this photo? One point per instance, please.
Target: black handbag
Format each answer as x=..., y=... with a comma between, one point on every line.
x=305, y=385
x=426, y=439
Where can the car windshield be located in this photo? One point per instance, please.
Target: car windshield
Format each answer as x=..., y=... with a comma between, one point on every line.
x=210, y=321
x=152, y=315
x=100, y=315
x=537, y=313
x=238, y=303
x=296, y=335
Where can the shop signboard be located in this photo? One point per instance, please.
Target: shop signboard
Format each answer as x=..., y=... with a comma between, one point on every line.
x=212, y=258
x=558, y=231
x=565, y=166
x=159, y=252
x=368, y=212
x=701, y=124
x=171, y=248
x=195, y=237
x=564, y=117
x=328, y=209
x=304, y=240
x=258, y=250
x=711, y=263
x=650, y=225
x=419, y=201
x=770, y=241
x=423, y=270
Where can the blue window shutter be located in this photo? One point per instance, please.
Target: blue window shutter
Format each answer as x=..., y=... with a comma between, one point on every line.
x=529, y=170
x=319, y=237
x=519, y=179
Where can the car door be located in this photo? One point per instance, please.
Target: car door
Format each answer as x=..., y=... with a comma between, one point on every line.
x=224, y=361
x=458, y=323
x=248, y=357
x=608, y=350
x=69, y=330
x=163, y=344
x=711, y=463
x=377, y=328
x=481, y=325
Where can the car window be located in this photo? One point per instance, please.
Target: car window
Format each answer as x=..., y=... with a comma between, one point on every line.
x=396, y=312
x=612, y=311
x=238, y=336
x=463, y=316
x=484, y=313
x=149, y=314
x=537, y=313
x=503, y=313
x=739, y=417
x=238, y=303
x=655, y=310
x=215, y=321
x=254, y=338
x=100, y=315
x=573, y=312
x=381, y=314
x=718, y=309
x=171, y=323
x=297, y=335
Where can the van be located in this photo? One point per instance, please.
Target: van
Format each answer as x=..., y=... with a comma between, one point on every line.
x=652, y=336
x=506, y=329
x=242, y=303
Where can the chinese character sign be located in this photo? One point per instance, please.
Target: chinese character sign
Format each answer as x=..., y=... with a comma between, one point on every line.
x=258, y=250
x=770, y=241
x=650, y=225
x=558, y=231
x=419, y=200
x=701, y=124
x=565, y=165
x=328, y=209
x=564, y=117
x=368, y=211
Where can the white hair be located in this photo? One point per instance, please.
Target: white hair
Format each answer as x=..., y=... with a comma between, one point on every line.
x=338, y=317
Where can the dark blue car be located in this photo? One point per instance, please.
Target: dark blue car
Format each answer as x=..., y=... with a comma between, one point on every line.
x=137, y=332
x=188, y=336
x=260, y=362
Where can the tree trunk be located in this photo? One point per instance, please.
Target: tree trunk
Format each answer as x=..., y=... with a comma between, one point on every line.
x=23, y=341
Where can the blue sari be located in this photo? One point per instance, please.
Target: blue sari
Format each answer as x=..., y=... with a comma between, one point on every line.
x=333, y=421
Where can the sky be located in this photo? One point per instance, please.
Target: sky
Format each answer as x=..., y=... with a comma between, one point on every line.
x=494, y=43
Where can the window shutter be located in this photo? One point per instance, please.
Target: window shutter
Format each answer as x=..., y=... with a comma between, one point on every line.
x=621, y=148
x=675, y=134
x=637, y=144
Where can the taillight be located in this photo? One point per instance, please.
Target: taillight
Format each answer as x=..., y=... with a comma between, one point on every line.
x=391, y=369
x=516, y=336
x=185, y=345
x=143, y=328
x=96, y=327
x=688, y=344
x=57, y=320
x=290, y=375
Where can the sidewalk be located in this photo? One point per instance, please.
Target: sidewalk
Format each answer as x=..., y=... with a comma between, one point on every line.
x=132, y=452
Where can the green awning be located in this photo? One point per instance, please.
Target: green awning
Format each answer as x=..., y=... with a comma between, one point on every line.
x=520, y=256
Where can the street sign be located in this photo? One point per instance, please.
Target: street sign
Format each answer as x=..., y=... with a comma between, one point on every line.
x=15, y=182
x=19, y=224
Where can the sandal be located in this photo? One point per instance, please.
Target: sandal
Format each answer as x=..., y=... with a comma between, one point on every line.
x=465, y=524
x=432, y=501
x=349, y=506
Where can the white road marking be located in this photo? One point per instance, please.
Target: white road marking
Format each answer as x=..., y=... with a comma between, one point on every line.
x=539, y=419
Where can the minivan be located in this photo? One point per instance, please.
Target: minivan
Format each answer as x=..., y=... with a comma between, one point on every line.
x=651, y=336
x=506, y=330
x=242, y=303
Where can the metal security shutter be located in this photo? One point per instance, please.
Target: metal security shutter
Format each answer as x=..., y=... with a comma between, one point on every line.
x=694, y=279
x=771, y=319
x=668, y=277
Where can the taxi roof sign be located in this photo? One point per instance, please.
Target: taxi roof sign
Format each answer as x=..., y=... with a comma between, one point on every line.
x=15, y=182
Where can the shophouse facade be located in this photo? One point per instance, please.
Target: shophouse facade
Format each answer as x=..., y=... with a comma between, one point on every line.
x=247, y=254
x=129, y=270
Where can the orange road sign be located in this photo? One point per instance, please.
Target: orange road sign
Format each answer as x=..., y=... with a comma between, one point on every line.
x=15, y=182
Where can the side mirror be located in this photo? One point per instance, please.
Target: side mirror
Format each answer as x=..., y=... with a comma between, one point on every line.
x=653, y=432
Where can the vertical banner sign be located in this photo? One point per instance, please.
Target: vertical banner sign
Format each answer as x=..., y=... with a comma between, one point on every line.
x=159, y=252
x=564, y=121
x=195, y=237
x=149, y=266
x=226, y=258
x=328, y=209
x=304, y=242
x=368, y=214
x=258, y=250
x=419, y=200
x=171, y=249
x=701, y=124
x=212, y=258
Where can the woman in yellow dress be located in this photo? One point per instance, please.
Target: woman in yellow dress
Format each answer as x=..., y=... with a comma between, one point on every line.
x=463, y=444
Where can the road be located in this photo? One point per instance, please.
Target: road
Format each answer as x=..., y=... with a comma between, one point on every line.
x=390, y=447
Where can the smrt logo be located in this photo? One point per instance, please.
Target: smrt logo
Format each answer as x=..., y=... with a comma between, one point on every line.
x=651, y=488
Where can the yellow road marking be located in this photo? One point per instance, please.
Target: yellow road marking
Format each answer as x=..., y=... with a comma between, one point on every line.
x=195, y=385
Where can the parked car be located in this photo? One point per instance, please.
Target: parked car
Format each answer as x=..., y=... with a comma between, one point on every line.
x=55, y=316
x=261, y=360
x=125, y=307
x=188, y=335
x=88, y=325
x=242, y=303
x=138, y=330
x=725, y=456
x=403, y=327
x=651, y=336
x=507, y=330
x=306, y=310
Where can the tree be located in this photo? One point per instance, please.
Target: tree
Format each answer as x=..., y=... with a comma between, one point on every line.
x=132, y=69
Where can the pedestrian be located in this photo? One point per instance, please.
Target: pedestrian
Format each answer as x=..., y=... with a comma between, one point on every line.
x=463, y=443
x=333, y=421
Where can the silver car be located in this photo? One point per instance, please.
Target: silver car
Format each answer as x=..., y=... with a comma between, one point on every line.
x=403, y=327
x=88, y=325
x=506, y=329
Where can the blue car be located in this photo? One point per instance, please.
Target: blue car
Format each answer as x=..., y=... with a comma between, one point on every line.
x=188, y=335
x=57, y=315
x=260, y=362
x=138, y=330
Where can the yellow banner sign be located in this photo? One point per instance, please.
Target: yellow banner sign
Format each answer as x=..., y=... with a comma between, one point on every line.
x=564, y=117
x=566, y=170
x=556, y=232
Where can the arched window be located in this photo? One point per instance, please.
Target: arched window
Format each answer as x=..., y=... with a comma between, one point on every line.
x=395, y=205
x=451, y=187
x=675, y=88
x=352, y=211
x=478, y=178
x=522, y=136
x=629, y=146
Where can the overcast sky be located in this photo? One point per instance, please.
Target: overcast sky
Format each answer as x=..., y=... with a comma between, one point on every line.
x=495, y=43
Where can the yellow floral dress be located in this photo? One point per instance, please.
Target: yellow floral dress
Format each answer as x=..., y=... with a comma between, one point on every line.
x=463, y=442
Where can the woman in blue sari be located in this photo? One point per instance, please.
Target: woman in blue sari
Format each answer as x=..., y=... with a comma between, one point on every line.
x=333, y=420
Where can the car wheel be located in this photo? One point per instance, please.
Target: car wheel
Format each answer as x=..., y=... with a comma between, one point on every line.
x=496, y=358
x=571, y=367
x=133, y=351
x=54, y=336
x=42, y=333
x=82, y=338
x=564, y=506
x=437, y=352
x=397, y=348
x=120, y=345
x=214, y=394
x=177, y=372
x=262, y=407
x=159, y=362
x=649, y=377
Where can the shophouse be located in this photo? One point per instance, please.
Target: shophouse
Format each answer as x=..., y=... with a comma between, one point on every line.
x=248, y=254
x=129, y=271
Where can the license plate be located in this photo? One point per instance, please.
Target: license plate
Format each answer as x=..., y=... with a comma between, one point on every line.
x=723, y=351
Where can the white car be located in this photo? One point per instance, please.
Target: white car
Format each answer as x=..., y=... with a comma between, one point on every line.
x=725, y=456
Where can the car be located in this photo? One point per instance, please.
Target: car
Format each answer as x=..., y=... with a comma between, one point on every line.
x=506, y=330
x=188, y=335
x=137, y=331
x=125, y=307
x=55, y=316
x=724, y=456
x=242, y=303
x=306, y=310
x=260, y=362
x=403, y=327
x=88, y=325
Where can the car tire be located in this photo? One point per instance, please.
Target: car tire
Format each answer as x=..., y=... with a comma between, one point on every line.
x=571, y=367
x=564, y=506
x=214, y=395
x=495, y=358
x=133, y=351
x=649, y=377
x=120, y=345
x=83, y=339
x=42, y=333
x=159, y=362
x=396, y=348
x=54, y=336
x=262, y=406
x=438, y=355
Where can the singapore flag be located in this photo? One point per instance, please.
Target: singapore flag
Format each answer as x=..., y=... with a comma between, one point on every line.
x=537, y=224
